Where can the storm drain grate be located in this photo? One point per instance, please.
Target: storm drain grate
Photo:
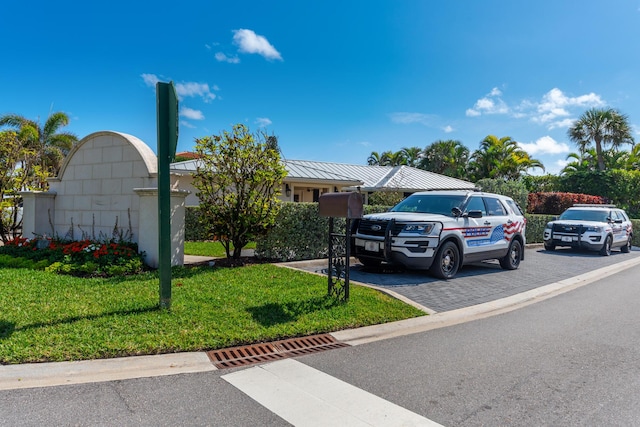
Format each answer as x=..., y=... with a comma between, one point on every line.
x=267, y=352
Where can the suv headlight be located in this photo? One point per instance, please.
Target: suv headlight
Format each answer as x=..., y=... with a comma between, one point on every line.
x=420, y=228
x=549, y=225
x=594, y=229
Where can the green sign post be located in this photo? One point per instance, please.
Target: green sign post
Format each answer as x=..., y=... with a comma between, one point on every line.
x=167, y=122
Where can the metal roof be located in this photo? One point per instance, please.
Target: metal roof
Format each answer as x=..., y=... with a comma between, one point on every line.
x=368, y=178
x=389, y=178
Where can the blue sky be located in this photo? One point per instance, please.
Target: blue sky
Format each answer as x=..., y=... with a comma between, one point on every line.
x=334, y=80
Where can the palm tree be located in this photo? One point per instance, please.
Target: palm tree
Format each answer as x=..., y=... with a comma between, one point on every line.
x=412, y=155
x=374, y=159
x=601, y=127
x=47, y=143
x=448, y=158
x=501, y=158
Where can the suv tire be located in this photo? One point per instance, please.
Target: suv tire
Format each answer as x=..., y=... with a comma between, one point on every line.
x=447, y=261
x=606, y=248
x=627, y=246
x=549, y=247
x=511, y=260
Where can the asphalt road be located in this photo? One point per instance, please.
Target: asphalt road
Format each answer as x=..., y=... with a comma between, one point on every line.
x=482, y=282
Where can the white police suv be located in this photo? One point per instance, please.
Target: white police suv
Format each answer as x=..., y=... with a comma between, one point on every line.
x=592, y=227
x=442, y=230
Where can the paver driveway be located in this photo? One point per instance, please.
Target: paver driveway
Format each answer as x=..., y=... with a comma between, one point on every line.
x=486, y=281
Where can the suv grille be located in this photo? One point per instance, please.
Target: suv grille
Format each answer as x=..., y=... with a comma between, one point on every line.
x=378, y=228
x=568, y=229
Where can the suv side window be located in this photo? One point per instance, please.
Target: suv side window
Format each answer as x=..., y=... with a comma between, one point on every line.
x=616, y=215
x=476, y=204
x=623, y=215
x=494, y=207
x=514, y=207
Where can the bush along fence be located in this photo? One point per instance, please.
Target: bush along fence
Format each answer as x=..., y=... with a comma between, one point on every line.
x=301, y=233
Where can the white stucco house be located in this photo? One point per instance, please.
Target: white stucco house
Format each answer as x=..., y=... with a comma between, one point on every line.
x=306, y=180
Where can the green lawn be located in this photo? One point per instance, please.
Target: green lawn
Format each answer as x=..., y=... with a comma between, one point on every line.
x=49, y=317
x=212, y=249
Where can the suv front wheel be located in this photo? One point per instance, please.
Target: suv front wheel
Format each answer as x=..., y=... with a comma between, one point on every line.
x=447, y=261
x=606, y=248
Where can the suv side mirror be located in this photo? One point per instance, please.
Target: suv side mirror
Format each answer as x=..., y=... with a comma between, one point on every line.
x=456, y=212
x=474, y=214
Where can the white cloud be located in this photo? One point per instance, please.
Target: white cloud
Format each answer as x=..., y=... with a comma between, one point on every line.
x=545, y=145
x=191, y=113
x=555, y=103
x=263, y=122
x=565, y=123
x=490, y=104
x=193, y=89
x=250, y=42
x=150, y=79
x=448, y=129
x=221, y=57
x=554, y=110
x=186, y=124
x=408, y=118
x=186, y=89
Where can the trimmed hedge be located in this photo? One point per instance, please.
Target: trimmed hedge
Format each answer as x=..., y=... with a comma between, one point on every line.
x=556, y=203
x=301, y=234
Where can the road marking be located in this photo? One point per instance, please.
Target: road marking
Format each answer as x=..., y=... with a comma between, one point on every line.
x=307, y=397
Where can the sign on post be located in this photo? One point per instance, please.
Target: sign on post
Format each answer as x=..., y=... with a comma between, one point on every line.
x=167, y=123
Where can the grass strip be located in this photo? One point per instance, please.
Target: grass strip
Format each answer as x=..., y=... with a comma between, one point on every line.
x=209, y=248
x=49, y=317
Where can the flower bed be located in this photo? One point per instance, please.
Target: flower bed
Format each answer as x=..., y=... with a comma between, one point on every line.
x=84, y=258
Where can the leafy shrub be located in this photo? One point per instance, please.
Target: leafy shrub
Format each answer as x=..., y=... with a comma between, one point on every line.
x=556, y=203
x=194, y=230
x=535, y=227
x=514, y=189
x=301, y=233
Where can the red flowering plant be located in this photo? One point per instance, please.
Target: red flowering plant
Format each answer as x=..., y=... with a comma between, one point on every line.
x=79, y=258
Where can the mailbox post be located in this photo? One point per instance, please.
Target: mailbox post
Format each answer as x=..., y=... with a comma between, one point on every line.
x=339, y=205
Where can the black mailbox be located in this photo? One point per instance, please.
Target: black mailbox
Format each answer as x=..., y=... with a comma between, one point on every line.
x=340, y=205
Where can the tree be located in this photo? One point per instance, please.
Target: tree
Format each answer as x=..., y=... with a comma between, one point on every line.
x=412, y=156
x=11, y=182
x=501, y=158
x=239, y=180
x=448, y=158
x=374, y=159
x=48, y=145
x=601, y=127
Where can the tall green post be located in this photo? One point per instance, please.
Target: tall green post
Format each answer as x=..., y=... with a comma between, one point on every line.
x=167, y=122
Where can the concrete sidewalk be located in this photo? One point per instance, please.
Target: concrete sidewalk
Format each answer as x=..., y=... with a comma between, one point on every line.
x=63, y=373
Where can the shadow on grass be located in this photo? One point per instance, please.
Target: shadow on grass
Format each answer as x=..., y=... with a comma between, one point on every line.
x=8, y=328
x=274, y=313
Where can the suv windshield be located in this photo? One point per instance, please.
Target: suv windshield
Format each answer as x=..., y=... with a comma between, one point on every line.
x=430, y=203
x=585, y=215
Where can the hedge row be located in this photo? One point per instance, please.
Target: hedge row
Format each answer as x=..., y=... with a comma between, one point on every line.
x=557, y=202
x=300, y=233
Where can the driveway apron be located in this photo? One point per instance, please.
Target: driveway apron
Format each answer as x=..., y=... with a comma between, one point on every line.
x=485, y=281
